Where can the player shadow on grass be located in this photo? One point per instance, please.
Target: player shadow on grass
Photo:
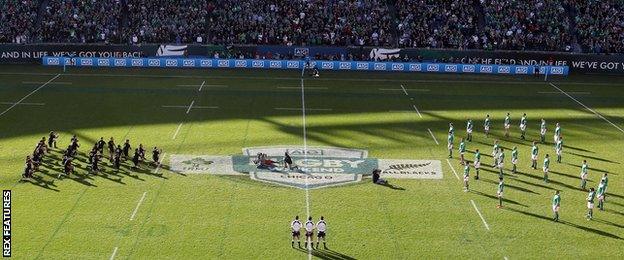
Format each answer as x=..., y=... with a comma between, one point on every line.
x=554, y=182
x=588, y=229
x=590, y=168
x=39, y=181
x=513, y=187
x=576, y=148
x=394, y=187
x=496, y=198
x=593, y=158
x=326, y=254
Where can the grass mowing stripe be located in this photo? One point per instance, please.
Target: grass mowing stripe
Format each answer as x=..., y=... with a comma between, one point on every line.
x=136, y=209
x=29, y=94
x=113, y=254
x=452, y=168
x=433, y=136
x=586, y=107
x=481, y=216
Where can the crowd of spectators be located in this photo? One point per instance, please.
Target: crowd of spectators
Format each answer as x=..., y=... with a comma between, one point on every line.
x=437, y=24
x=547, y=25
x=309, y=22
x=600, y=25
x=80, y=21
x=526, y=25
x=17, y=20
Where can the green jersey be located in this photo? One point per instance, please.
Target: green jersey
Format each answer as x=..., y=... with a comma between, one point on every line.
x=523, y=121
x=558, y=131
x=451, y=130
x=501, y=186
x=556, y=201
x=477, y=157
x=559, y=144
x=543, y=126
x=546, y=162
x=606, y=181
x=487, y=122
x=507, y=120
x=584, y=168
x=469, y=125
x=601, y=189
x=501, y=157
x=591, y=196
x=462, y=147
x=466, y=170
x=495, y=148
x=450, y=138
x=514, y=154
x=534, y=150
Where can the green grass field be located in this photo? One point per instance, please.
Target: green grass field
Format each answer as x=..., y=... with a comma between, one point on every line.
x=191, y=216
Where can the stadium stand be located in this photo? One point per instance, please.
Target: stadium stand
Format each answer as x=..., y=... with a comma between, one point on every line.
x=559, y=25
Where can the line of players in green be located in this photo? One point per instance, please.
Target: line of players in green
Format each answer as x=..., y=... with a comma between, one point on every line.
x=498, y=155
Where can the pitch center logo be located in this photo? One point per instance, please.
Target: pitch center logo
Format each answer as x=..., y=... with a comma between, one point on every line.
x=316, y=167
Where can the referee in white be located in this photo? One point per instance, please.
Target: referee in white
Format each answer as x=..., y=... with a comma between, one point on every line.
x=321, y=226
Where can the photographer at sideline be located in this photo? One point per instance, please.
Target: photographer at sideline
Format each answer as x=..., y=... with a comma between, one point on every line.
x=377, y=177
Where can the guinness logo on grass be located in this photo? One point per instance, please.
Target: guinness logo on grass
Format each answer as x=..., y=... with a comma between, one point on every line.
x=315, y=167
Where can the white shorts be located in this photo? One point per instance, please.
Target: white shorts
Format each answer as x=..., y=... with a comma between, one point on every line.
x=533, y=157
x=469, y=131
x=461, y=153
x=590, y=205
x=545, y=169
x=556, y=138
x=466, y=178
x=501, y=165
x=507, y=126
x=514, y=161
x=487, y=128
x=543, y=132
x=601, y=198
x=477, y=165
x=558, y=151
x=522, y=127
x=584, y=176
x=555, y=208
x=450, y=146
x=499, y=194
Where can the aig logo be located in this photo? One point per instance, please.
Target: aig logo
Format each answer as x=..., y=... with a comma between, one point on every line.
x=450, y=68
x=257, y=64
x=433, y=67
x=301, y=52
x=415, y=67
x=361, y=66
x=486, y=69
x=86, y=62
x=468, y=68
x=53, y=61
x=522, y=70
x=292, y=64
x=398, y=66
x=223, y=63
x=171, y=63
x=205, y=63
x=240, y=63
x=380, y=66
x=275, y=64
x=556, y=70
x=327, y=65
x=504, y=70
x=120, y=63
x=188, y=63
x=137, y=62
x=103, y=62
x=153, y=62
x=345, y=65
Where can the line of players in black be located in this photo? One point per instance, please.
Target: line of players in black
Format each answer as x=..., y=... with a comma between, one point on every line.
x=116, y=154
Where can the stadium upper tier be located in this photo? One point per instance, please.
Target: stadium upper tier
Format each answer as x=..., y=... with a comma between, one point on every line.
x=594, y=26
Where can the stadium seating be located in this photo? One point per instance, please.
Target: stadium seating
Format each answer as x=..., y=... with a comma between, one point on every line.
x=559, y=25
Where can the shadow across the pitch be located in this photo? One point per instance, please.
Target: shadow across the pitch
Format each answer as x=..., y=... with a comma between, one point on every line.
x=593, y=158
x=513, y=187
x=326, y=254
x=588, y=229
x=496, y=198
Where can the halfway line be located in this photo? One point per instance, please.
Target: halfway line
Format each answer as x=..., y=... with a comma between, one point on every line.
x=433, y=136
x=452, y=168
x=177, y=131
x=138, y=205
x=190, y=106
x=586, y=107
x=202, y=85
x=481, y=216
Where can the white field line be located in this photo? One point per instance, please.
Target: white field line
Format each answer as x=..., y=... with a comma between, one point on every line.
x=194, y=107
x=300, y=109
x=176, y=132
x=293, y=78
x=410, y=89
x=506, y=258
x=433, y=136
x=202, y=85
x=571, y=92
x=113, y=254
x=404, y=91
x=136, y=209
x=586, y=107
x=415, y=108
x=23, y=104
x=29, y=94
x=41, y=82
x=190, y=106
x=452, y=168
x=305, y=155
x=481, y=216
x=159, y=163
x=297, y=88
